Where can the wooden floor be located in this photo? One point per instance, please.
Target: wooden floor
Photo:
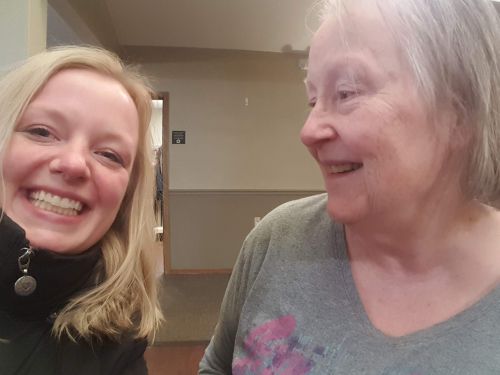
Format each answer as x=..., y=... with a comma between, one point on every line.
x=174, y=359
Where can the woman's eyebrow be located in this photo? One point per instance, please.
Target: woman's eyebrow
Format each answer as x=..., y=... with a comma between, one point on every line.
x=45, y=110
x=353, y=66
x=308, y=84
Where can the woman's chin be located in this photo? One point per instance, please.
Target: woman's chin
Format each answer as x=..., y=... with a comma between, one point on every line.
x=344, y=213
x=52, y=243
x=48, y=245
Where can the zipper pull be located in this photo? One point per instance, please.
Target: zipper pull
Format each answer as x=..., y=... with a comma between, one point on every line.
x=26, y=284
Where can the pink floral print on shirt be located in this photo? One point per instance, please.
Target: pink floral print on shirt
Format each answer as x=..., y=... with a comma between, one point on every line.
x=272, y=349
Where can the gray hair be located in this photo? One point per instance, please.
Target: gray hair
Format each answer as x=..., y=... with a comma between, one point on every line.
x=452, y=47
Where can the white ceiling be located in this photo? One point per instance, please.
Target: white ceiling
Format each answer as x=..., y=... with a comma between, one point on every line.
x=256, y=25
x=252, y=25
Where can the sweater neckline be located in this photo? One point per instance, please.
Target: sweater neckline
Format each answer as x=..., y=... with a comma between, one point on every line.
x=430, y=334
x=59, y=276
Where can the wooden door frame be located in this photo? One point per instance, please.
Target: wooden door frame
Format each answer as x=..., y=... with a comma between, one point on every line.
x=165, y=97
x=167, y=251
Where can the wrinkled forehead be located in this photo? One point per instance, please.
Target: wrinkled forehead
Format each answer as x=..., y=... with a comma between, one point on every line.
x=358, y=24
x=360, y=29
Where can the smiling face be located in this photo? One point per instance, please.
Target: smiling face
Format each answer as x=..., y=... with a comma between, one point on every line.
x=369, y=130
x=68, y=164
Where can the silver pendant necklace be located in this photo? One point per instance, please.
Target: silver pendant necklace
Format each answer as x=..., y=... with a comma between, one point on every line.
x=26, y=284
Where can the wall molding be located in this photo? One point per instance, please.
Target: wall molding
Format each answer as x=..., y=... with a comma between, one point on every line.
x=242, y=192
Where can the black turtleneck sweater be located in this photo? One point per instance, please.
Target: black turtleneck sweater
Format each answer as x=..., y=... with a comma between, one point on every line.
x=58, y=276
x=27, y=346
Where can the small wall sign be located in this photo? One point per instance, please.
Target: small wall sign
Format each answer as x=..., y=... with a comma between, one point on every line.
x=178, y=137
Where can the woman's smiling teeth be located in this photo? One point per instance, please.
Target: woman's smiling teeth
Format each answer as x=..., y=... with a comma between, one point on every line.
x=55, y=203
x=344, y=168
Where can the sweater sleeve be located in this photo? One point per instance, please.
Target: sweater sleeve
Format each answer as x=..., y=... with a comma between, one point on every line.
x=219, y=353
x=255, y=260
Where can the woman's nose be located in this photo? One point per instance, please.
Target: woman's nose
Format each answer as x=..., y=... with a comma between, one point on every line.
x=317, y=129
x=71, y=163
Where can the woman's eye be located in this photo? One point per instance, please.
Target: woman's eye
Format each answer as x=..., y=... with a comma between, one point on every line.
x=115, y=158
x=346, y=94
x=39, y=132
x=312, y=103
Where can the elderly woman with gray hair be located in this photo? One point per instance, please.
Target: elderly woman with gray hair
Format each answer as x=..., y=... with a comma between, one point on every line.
x=395, y=269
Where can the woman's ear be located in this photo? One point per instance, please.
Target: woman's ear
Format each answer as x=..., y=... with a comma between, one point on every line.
x=461, y=131
x=463, y=134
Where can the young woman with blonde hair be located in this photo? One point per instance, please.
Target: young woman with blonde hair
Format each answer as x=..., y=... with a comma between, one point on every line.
x=77, y=288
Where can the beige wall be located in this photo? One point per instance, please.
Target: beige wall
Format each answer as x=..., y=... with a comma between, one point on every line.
x=208, y=227
x=231, y=145
x=242, y=113
x=23, y=30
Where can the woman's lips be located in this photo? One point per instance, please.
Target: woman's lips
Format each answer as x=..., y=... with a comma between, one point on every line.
x=343, y=167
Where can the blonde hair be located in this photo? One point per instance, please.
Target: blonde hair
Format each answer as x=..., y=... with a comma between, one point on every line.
x=453, y=49
x=125, y=299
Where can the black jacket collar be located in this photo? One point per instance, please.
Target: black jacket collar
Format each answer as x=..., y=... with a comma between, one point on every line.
x=58, y=276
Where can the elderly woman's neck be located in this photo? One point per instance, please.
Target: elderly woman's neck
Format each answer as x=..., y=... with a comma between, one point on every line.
x=418, y=243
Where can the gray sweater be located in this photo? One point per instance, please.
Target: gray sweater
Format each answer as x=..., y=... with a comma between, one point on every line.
x=292, y=308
